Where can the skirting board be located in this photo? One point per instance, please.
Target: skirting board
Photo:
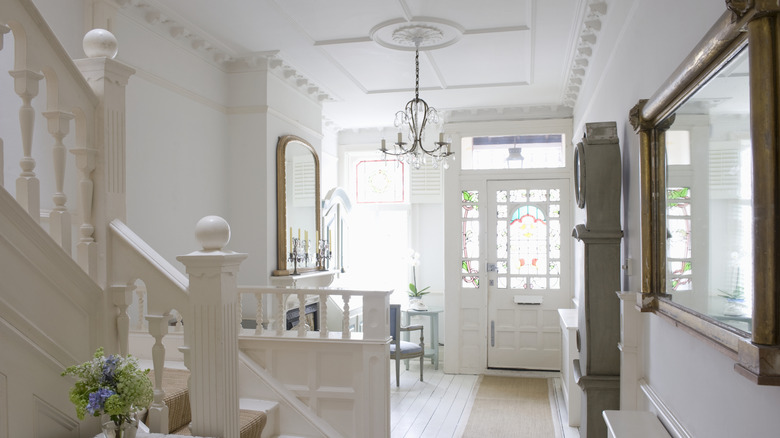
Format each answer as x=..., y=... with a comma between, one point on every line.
x=673, y=426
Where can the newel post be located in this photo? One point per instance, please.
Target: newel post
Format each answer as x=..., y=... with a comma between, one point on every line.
x=213, y=331
x=101, y=158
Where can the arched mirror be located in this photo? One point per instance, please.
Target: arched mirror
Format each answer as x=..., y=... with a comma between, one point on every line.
x=297, y=205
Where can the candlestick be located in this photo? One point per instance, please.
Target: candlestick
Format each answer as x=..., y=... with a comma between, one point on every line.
x=384, y=148
x=400, y=138
x=441, y=137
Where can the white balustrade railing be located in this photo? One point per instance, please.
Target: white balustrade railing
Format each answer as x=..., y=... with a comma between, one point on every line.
x=375, y=310
x=75, y=94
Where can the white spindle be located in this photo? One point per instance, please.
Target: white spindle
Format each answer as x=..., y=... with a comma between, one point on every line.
x=259, y=314
x=302, y=315
x=345, y=333
x=140, y=290
x=122, y=297
x=87, y=247
x=323, y=315
x=59, y=219
x=158, y=411
x=3, y=30
x=28, y=190
x=281, y=323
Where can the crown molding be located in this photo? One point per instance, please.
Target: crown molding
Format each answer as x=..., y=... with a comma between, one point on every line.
x=589, y=28
x=156, y=17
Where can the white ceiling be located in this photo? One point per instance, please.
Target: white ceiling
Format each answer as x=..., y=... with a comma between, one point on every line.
x=510, y=55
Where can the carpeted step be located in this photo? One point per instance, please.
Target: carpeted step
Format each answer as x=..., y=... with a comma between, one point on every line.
x=177, y=399
x=252, y=423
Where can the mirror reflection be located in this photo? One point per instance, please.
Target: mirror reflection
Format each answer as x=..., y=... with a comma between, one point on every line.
x=297, y=203
x=708, y=199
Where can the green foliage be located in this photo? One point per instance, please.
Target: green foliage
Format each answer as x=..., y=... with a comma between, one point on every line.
x=113, y=385
x=415, y=293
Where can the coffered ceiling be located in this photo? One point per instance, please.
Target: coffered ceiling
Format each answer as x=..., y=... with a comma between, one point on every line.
x=506, y=57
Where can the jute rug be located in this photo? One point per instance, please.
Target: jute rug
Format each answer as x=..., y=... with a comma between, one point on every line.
x=512, y=407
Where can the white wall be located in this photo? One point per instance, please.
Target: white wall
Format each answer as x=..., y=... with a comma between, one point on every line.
x=641, y=43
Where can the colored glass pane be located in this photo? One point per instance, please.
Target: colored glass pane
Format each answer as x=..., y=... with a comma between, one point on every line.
x=470, y=239
x=470, y=195
x=518, y=195
x=470, y=211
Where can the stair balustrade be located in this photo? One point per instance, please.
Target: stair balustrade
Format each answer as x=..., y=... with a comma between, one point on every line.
x=374, y=304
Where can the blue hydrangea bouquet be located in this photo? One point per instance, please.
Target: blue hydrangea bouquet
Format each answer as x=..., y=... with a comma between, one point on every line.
x=115, y=386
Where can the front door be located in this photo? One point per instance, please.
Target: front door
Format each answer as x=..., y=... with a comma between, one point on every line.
x=529, y=267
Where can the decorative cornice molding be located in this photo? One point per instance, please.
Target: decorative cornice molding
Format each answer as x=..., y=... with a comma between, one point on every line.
x=155, y=16
x=585, y=47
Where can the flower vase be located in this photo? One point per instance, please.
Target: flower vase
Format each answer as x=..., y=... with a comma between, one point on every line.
x=124, y=430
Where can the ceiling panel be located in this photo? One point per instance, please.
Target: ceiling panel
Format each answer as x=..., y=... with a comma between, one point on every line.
x=377, y=69
x=341, y=19
x=486, y=59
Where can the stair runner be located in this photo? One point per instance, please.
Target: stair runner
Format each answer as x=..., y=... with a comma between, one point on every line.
x=180, y=415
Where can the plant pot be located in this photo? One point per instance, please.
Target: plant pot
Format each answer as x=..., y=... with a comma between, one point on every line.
x=124, y=430
x=416, y=303
x=734, y=308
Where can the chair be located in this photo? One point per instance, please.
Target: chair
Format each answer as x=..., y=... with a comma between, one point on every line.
x=404, y=350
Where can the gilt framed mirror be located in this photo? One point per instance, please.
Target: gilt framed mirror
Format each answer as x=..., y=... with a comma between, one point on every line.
x=297, y=203
x=709, y=191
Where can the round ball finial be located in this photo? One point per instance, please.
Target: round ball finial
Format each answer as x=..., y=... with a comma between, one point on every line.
x=100, y=43
x=212, y=232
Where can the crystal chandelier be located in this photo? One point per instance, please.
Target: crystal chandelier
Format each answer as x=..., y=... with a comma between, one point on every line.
x=413, y=120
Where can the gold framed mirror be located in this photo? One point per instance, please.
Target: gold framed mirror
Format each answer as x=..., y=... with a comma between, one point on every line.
x=297, y=203
x=709, y=190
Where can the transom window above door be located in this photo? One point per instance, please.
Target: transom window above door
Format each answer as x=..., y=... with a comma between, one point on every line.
x=537, y=151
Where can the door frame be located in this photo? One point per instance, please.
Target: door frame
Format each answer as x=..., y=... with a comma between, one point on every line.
x=465, y=314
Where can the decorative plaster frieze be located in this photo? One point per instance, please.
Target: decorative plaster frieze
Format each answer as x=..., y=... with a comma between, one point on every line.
x=164, y=22
x=590, y=27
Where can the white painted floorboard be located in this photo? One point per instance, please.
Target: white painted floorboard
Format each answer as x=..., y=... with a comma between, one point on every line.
x=440, y=405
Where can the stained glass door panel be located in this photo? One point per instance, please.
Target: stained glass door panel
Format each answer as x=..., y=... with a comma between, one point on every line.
x=529, y=271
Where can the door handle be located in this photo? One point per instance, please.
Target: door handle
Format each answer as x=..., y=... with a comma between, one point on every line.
x=492, y=333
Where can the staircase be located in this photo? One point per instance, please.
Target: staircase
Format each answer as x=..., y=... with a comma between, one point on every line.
x=80, y=262
x=177, y=398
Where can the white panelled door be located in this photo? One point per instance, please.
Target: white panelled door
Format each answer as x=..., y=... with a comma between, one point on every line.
x=529, y=271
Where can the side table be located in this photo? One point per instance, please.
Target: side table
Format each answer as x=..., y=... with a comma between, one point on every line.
x=433, y=314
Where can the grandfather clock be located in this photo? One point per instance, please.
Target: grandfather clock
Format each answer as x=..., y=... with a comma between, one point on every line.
x=597, y=184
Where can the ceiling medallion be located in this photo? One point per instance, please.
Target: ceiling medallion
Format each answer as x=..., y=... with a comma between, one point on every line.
x=417, y=35
x=405, y=35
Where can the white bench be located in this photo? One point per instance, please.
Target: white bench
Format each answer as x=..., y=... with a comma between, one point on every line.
x=634, y=424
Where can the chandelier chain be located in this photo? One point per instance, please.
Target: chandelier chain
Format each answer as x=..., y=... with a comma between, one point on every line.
x=417, y=73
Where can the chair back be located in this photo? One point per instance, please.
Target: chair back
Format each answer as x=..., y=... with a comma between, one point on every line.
x=395, y=321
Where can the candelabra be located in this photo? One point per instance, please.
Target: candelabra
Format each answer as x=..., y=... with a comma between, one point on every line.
x=298, y=254
x=323, y=253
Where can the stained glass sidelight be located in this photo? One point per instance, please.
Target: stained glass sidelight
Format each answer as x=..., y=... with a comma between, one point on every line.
x=470, y=239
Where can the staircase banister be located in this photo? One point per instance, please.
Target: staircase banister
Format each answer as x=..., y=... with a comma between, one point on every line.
x=289, y=398
x=132, y=258
x=52, y=41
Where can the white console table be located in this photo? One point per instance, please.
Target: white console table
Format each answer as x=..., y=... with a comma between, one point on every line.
x=571, y=391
